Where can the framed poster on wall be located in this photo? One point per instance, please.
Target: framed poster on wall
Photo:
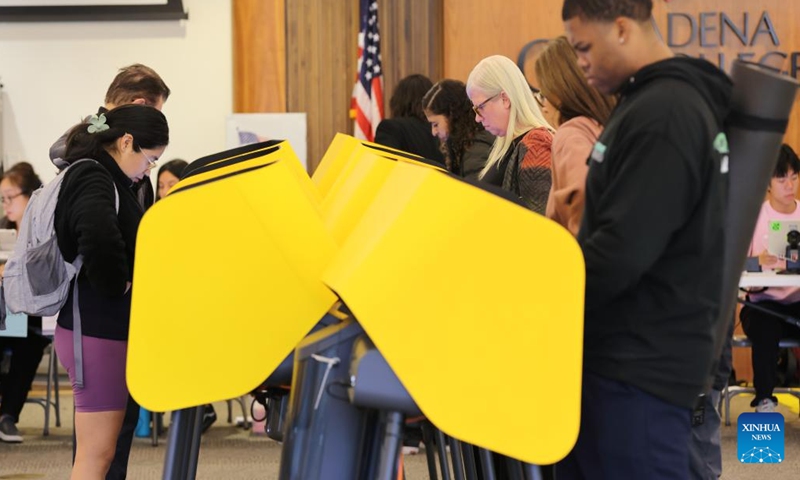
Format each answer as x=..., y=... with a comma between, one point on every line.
x=90, y=10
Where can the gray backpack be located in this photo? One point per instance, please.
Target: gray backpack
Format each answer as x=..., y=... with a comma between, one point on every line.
x=36, y=279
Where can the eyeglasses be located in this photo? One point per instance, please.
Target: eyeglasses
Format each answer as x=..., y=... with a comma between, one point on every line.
x=479, y=107
x=539, y=98
x=151, y=164
x=6, y=200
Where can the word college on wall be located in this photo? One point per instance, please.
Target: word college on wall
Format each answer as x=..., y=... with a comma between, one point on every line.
x=721, y=37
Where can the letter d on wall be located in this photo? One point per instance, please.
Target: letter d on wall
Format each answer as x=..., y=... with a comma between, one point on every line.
x=671, y=25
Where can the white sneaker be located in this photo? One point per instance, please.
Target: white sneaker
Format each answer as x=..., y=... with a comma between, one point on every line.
x=766, y=406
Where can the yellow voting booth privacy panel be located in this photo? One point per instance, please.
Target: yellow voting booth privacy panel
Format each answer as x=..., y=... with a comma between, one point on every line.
x=242, y=158
x=333, y=161
x=352, y=194
x=343, y=154
x=490, y=295
x=231, y=267
x=356, y=187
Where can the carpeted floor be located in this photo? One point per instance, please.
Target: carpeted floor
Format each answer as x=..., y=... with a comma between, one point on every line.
x=229, y=452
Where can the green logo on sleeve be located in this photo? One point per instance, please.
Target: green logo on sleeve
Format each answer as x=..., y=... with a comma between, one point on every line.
x=775, y=226
x=721, y=143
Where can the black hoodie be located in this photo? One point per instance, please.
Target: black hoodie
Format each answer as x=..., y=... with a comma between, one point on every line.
x=652, y=230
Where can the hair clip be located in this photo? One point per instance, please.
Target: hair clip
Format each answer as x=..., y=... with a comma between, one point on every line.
x=97, y=123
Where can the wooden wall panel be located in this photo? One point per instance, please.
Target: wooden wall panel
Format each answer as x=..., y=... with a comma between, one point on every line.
x=321, y=68
x=259, y=56
x=412, y=35
x=321, y=40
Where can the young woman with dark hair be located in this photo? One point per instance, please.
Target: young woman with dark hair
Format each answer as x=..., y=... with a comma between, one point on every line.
x=93, y=220
x=168, y=175
x=465, y=144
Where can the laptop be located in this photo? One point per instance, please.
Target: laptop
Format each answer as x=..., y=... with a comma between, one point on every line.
x=777, y=231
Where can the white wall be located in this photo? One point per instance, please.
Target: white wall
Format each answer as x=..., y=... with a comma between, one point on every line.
x=56, y=73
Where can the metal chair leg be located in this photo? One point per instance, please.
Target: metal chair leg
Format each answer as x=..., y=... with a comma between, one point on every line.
x=390, y=446
x=487, y=464
x=470, y=468
x=514, y=468
x=458, y=460
x=440, y=446
x=532, y=472
x=54, y=360
x=427, y=440
x=184, y=437
x=49, y=393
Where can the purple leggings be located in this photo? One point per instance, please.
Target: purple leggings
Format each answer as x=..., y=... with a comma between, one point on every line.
x=104, y=387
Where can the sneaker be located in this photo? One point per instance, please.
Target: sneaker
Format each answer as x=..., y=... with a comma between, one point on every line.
x=209, y=417
x=766, y=405
x=8, y=431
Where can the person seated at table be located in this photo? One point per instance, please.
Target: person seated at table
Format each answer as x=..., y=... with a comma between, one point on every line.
x=763, y=329
x=16, y=187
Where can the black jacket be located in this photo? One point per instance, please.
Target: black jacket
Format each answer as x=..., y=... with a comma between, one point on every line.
x=409, y=134
x=652, y=231
x=86, y=222
x=474, y=158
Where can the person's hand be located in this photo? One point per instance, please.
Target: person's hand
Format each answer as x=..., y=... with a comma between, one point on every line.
x=766, y=259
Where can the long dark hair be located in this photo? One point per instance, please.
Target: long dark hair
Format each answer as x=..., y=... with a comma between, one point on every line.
x=147, y=125
x=175, y=166
x=449, y=98
x=405, y=101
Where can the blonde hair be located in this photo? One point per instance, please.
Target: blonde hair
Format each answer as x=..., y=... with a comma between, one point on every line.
x=497, y=74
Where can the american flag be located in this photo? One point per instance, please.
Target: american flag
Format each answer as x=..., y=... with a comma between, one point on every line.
x=368, y=91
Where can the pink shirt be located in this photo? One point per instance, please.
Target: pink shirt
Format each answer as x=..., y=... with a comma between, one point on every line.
x=760, y=243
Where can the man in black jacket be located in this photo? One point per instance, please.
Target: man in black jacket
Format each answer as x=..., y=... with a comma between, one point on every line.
x=652, y=237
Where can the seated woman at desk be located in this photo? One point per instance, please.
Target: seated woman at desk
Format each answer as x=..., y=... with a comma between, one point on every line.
x=16, y=187
x=764, y=329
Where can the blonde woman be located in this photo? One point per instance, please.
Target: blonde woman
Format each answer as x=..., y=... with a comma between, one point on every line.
x=503, y=103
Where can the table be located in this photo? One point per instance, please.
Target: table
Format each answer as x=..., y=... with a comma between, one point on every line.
x=768, y=279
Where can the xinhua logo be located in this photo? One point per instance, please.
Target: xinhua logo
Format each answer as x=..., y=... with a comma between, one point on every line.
x=760, y=438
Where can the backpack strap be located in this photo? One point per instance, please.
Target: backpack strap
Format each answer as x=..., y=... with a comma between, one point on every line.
x=77, y=344
x=77, y=335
